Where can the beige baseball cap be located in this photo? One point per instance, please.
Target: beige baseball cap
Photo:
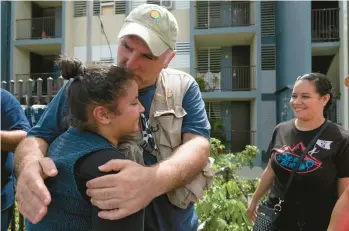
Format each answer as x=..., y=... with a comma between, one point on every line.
x=155, y=25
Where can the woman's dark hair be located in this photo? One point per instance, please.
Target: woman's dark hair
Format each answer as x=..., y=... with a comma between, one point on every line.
x=323, y=87
x=92, y=86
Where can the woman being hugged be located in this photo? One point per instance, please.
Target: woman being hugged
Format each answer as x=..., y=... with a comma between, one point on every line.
x=322, y=175
x=103, y=107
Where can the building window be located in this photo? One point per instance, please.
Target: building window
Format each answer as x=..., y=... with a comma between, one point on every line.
x=213, y=110
x=100, y=8
x=107, y=7
x=167, y=4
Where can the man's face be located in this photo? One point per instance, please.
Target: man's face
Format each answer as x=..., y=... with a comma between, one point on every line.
x=134, y=54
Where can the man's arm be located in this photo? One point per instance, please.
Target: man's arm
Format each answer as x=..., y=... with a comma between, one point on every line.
x=192, y=156
x=123, y=195
x=184, y=165
x=14, y=124
x=30, y=164
x=10, y=139
x=339, y=219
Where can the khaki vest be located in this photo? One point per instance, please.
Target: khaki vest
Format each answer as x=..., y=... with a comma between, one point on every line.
x=165, y=120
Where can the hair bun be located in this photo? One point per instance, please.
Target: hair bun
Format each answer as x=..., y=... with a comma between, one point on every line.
x=70, y=67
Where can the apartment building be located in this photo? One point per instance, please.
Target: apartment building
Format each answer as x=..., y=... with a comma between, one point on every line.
x=245, y=55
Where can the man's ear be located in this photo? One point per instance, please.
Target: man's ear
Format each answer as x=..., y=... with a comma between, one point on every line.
x=102, y=115
x=169, y=57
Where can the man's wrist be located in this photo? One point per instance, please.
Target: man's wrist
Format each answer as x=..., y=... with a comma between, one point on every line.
x=25, y=163
x=164, y=178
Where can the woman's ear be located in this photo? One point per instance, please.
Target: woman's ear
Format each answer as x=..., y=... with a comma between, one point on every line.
x=325, y=99
x=102, y=115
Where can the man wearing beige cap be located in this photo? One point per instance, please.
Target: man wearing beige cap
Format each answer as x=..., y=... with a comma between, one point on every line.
x=340, y=215
x=174, y=142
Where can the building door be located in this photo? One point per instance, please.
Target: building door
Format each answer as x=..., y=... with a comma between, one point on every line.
x=240, y=125
x=241, y=74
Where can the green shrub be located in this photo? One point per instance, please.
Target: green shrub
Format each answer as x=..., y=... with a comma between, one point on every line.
x=223, y=208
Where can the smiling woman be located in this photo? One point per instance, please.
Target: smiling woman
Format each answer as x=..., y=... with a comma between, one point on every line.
x=323, y=173
x=311, y=99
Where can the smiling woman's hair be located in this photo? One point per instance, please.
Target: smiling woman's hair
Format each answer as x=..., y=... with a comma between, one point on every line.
x=323, y=87
x=97, y=85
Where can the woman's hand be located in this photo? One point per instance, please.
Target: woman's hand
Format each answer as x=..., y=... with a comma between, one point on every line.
x=252, y=211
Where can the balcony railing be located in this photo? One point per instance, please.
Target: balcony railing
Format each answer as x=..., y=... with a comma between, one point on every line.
x=325, y=25
x=239, y=140
x=235, y=78
x=212, y=14
x=39, y=79
x=38, y=28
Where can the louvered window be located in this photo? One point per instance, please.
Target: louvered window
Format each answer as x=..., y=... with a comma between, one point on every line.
x=209, y=68
x=120, y=7
x=117, y=7
x=104, y=61
x=182, y=47
x=209, y=60
x=208, y=14
x=182, y=57
x=268, y=57
x=136, y=3
x=268, y=18
x=96, y=7
x=79, y=8
x=213, y=110
x=167, y=4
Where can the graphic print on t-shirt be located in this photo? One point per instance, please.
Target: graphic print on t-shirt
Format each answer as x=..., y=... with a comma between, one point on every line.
x=288, y=156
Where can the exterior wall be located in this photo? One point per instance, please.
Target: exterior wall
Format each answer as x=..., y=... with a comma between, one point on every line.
x=68, y=7
x=22, y=64
x=293, y=44
x=22, y=11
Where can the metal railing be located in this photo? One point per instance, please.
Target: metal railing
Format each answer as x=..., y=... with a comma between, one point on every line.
x=211, y=14
x=35, y=77
x=38, y=28
x=31, y=92
x=239, y=140
x=235, y=78
x=325, y=25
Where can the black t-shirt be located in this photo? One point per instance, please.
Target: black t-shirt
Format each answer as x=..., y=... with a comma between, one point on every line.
x=86, y=168
x=313, y=191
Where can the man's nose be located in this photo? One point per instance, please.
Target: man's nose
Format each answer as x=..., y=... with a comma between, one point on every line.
x=132, y=62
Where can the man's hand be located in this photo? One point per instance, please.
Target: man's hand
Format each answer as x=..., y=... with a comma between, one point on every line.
x=123, y=193
x=31, y=193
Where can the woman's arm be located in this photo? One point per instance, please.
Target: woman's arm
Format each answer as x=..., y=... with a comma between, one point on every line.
x=86, y=169
x=266, y=181
x=343, y=183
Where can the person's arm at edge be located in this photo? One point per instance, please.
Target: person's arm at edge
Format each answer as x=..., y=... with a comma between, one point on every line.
x=32, y=167
x=339, y=218
x=12, y=114
x=11, y=139
x=35, y=145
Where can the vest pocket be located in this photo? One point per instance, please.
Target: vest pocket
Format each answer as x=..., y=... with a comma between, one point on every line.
x=170, y=122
